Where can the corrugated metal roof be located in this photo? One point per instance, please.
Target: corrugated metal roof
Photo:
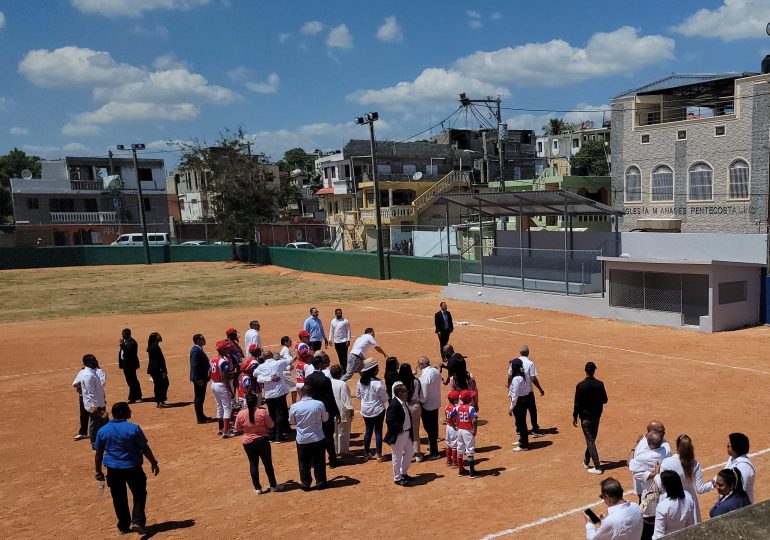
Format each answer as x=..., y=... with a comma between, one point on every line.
x=676, y=80
x=530, y=203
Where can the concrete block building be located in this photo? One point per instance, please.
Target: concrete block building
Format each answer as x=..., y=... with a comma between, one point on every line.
x=690, y=153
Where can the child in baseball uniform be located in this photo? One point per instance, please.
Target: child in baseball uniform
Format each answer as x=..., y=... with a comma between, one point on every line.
x=451, y=430
x=466, y=420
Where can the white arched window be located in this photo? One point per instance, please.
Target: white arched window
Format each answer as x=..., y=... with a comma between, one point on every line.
x=633, y=189
x=739, y=179
x=662, y=184
x=701, y=177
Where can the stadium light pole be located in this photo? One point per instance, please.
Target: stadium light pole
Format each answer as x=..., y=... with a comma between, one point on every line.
x=134, y=148
x=371, y=118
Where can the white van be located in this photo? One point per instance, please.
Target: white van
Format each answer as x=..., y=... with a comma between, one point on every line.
x=153, y=239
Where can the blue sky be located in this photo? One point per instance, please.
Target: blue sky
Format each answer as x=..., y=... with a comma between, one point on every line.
x=80, y=76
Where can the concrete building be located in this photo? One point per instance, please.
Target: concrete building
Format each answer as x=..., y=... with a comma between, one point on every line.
x=690, y=153
x=556, y=151
x=87, y=200
x=191, y=190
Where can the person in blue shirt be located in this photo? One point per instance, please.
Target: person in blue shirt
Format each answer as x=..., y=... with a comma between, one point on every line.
x=120, y=446
x=199, y=376
x=729, y=484
x=315, y=328
x=308, y=415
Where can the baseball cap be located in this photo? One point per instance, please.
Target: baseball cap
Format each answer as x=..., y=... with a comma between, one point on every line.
x=303, y=333
x=230, y=331
x=253, y=347
x=454, y=394
x=467, y=395
x=305, y=354
x=222, y=345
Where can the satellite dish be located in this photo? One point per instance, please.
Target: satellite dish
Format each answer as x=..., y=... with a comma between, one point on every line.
x=417, y=175
x=590, y=124
x=26, y=174
x=296, y=172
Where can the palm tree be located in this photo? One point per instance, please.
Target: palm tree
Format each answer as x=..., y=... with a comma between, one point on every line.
x=554, y=126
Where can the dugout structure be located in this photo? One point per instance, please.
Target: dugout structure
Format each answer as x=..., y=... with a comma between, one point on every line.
x=566, y=270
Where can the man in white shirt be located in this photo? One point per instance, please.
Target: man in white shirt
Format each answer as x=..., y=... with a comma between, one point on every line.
x=531, y=371
x=252, y=337
x=430, y=402
x=90, y=385
x=270, y=374
x=623, y=520
x=339, y=334
x=642, y=446
x=645, y=466
x=358, y=353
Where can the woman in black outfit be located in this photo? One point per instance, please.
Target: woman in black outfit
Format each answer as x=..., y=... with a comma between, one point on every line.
x=156, y=368
x=391, y=374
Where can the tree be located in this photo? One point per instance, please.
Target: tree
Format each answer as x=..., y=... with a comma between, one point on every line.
x=240, y=197
x=11, y=166
x=297, y=158
x=288, y=193
x=592, y=156
x=557, y=126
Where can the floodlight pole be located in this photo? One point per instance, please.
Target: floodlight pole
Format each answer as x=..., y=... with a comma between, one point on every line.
x=134, y=148
x=370, y=119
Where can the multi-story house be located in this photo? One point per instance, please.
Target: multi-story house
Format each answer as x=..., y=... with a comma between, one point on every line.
x=556, y=151
x=690, y=153
x=88, y=200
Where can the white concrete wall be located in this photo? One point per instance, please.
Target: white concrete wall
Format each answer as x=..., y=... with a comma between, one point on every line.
x=747, y=248
x=430, y=243
x=738, y=314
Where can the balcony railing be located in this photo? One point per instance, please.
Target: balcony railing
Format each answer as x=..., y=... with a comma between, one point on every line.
x=87, y=185
x=387, y=214
x=84, y=217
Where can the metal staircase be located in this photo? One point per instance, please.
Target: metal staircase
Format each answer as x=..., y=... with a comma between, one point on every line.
x=449, y=181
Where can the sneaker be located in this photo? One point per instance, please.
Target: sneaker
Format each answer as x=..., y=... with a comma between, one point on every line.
x=418, y=459
x=402, y=482
x=594, y=470
x=464, y=473
x=475, y=474
x=259, y=491
x=79, y=437
x=140, y=529
x=407, y=477
x=536, y=434
x=586, y=466
x=431, y=457
x=515, y=443
x=228, y=435
x=520, y=449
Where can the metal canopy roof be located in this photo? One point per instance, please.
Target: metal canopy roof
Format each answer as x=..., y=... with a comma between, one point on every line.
x=530, y=203
x=681, y=80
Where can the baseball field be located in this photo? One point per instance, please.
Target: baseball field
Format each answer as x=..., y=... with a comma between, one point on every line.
x=704, y=385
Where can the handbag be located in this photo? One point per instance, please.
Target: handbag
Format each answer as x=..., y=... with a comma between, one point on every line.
x=650, y=500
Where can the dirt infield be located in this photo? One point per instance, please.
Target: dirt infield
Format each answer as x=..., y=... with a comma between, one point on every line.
x=704, y=385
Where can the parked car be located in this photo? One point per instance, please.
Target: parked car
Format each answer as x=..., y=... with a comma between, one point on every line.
x=444, y=256
x=300, y=245
x=135, y=239
x=193, y=243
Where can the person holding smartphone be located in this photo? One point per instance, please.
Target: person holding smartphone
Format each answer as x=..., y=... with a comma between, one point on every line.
x=623, y=520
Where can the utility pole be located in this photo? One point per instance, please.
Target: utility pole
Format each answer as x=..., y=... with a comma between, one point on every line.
x=370, y=119
x=134, y=148
x=488, y=101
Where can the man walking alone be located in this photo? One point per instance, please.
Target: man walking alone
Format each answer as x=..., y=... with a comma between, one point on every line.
x=590, y=398
x=128, y=361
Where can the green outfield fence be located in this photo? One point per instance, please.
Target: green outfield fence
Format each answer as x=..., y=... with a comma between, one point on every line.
x=418, y=269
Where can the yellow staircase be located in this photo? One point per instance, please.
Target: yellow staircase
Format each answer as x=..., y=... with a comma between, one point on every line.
x=447, y=183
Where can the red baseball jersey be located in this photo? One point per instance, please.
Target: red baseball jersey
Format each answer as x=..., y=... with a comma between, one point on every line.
x=464, y=415
x=244, y=385
x=300, y=371
x=448, y=413
x=218, y=367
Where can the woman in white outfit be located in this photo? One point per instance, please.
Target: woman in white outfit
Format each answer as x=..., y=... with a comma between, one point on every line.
x=676, y=509
x=687, y=467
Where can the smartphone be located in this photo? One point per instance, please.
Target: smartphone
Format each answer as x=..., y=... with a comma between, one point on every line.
x=592, y=516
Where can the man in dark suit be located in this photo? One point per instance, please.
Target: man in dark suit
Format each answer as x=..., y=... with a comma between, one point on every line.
x=128, y=361
x=444, y=326
x=399, y=434
x=321, y=389
x=199, y=375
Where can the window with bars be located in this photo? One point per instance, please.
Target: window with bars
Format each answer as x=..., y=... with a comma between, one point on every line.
x=662, y=184
x=739, y=180
x=701, y=177
x=633, y=189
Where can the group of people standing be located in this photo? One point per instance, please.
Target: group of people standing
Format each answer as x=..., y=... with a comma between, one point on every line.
x=260, y=395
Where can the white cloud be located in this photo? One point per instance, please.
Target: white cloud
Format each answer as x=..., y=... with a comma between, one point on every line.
x=556, y=62
x=735, y=19
x=269, y=87
x=71, y=66
x=114, y=112
x=496, y=16
x=158, y=31
x=80, y=130
x=283, y=37
x=133, y=8
x=340, y=38
x=390, y=31
x=169, y=61
x=168, y=86
x=76, y=147
x=474, y=19
x=434, y=87
x=240, y=73
x=2, y=19
x=16, y=130
x=312, y=28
